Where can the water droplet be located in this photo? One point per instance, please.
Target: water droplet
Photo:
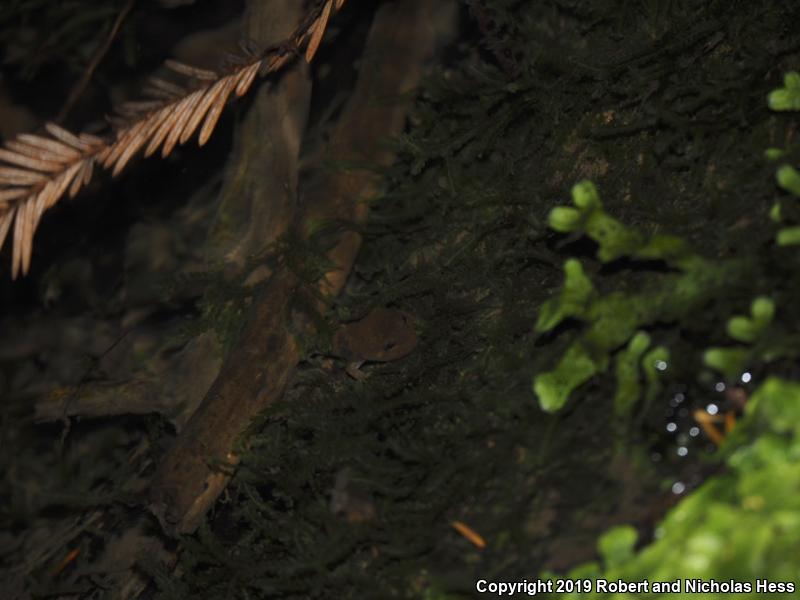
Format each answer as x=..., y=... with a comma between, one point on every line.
x=661, y=365
x=719, y=386
x=683, y=451
x=746, y=377
x=678, y=488
x=712, y=409
x=694, y=431
x=671, y=427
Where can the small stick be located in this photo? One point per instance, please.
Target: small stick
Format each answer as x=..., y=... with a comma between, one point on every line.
x=80, y=86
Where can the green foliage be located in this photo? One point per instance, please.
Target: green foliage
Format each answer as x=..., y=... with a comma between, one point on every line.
x=741, y=525
x=773, y=154
x=616, y=546
x=630, y=364
x=788, y=236
x=747, y=329
x=629, y=390
x=573, y=301
x=787, y=97
x=728, y=361
x=459, y=242
x=576, y=367
x=762, y=344
x=614, y=239
x=789, y=179
x=613, y=319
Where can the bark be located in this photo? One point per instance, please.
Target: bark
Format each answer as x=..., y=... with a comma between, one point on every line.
x=258, y=369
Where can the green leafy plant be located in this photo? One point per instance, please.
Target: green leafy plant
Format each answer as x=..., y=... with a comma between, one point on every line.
x=613, y=320
x=789, y=179
x=731, y=361
x=742, y=526
x=630, y=364
x=787, y=97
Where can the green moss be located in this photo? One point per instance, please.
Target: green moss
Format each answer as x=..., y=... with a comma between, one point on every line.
x=681, y=243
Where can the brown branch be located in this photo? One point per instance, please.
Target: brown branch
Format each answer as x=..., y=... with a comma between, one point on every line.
x=255, y=373
x=80, y=85
x=36, y=171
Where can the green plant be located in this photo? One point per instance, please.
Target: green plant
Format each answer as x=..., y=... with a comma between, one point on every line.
x=740, y=526
x=615, y=319
x=737, y=532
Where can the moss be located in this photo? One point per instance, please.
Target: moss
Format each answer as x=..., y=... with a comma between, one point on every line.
x=664, y=110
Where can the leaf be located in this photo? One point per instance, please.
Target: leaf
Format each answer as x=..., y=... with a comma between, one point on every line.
x=664, y=247
x=564, y=219
x=779, y=401
x=774, y=154
x=763, y=310
x=729, y=361
x=654, y=363
x=616, y=546
x=318, y=30
x=742, y=329
x=629, y=390
x=554, y=387
x=787, y=97
x=789, y=179
x=614, y=239
x=585, y=196
x=788, y=236
x=571, y=302
x=775, y=213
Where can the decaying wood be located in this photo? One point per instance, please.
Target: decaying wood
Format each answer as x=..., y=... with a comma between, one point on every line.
x=258, y=369
x=171, y=384
x=390, y=68
x=258, y=193
x=259, y=196
x=36, y=171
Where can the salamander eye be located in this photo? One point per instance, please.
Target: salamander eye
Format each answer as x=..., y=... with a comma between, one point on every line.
x=389, y=345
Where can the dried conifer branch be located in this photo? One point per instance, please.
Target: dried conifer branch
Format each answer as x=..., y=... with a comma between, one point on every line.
x=36, y=171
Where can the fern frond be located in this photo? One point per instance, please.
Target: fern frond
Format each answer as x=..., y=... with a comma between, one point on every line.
x=36, y=171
